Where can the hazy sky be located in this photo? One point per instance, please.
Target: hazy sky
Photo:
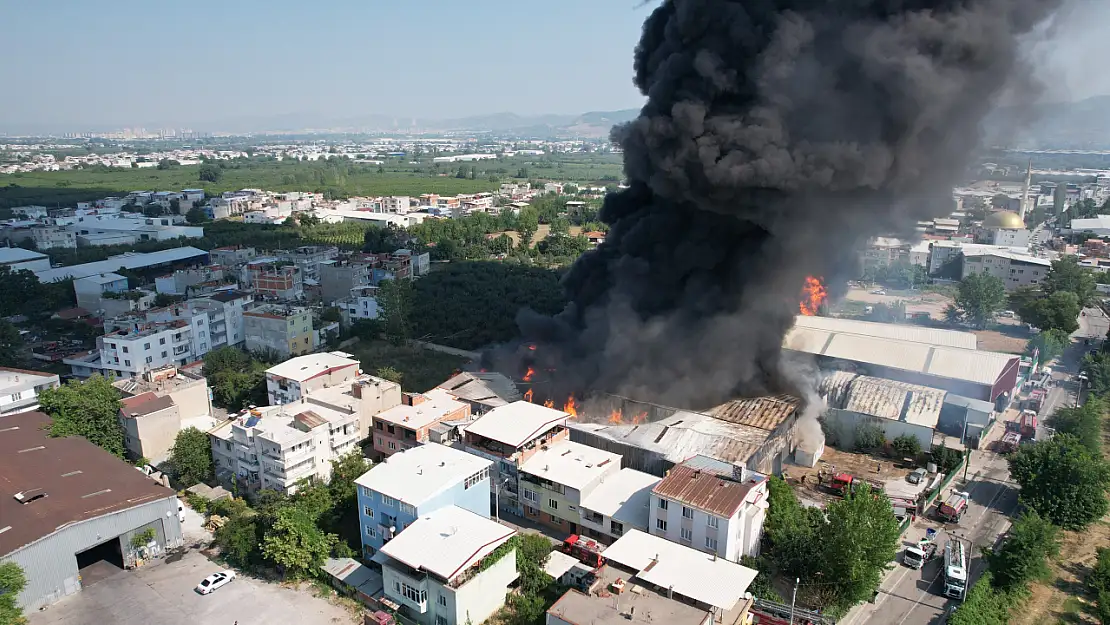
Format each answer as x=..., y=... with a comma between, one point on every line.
x=84, y=64
x=77, y=63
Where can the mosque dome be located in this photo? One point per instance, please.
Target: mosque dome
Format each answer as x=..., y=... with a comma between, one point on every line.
x=1007, y=220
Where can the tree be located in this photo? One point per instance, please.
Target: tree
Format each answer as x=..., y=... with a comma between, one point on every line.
x=389, y=373
x=23, y=282
x=1023, y=556
x=869, y=435
x=1097, y=369
x=1062, y=480
x=343, y=518
x=790, y=529
x=906, y=445
x=209, y=173
x=175, y=206
x=1066, y=275
x=1084, y=422
x=153, y=210
x=983, y=605
x=528, y=222
x=980, y=296
x=330, y=314
x=1058, y=311
x=191, y=457
x=196, y=215
x=89, y=409
x=238, y=540
x=11, y=344
x=1098, y=583
x=12, y=582
x=1050, y=344
x=295, y=543
x=395, y=301
x=857, y=544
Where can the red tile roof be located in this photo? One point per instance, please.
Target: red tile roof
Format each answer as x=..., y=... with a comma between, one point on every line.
x=701, y=489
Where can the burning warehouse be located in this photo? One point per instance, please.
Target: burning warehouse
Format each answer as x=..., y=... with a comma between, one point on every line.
x=760, y=434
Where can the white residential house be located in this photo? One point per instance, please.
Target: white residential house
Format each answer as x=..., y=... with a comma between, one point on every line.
x=622, y=502
x=289, y=381
x=436, y=571
x=142, y=347
x=711, y=506
x=20, y=388
x=555, y=480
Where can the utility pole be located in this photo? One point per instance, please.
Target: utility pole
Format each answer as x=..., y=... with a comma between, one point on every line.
x=794, y=599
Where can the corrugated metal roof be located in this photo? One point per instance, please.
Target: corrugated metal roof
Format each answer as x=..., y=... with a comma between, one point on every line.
x=899, y=331
x=969, y=365
x=309, y=419
x=704, y=490
x=128, y=261
x=887, y=399
x=687, y=434
x=765, y=413
x=487, y=388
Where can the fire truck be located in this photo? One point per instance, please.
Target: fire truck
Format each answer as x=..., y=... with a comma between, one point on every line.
x=953, y=508
x=955, y=570
x=587, y=550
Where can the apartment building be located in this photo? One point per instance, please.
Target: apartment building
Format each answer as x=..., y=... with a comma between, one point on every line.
x=413, y=483
x=272, y=277
x=141, y=346
x=53, y=237
x=287, y=330
x=308, y=258
x=275, y=447
x=366, y=395
x=289, y=381
x=338, y=278
x=1015, y=270
x=447, y=569
x=225, y=311
x=232, y=256
x=362, y=304
x=188, y=281
x=555, y=480
x=406, y=426
x=509, y=436
x=158, y=405
x=20, y=389
x=712, y=506
x=620, y=503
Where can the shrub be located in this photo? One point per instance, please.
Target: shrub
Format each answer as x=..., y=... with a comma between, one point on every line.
x=906, y=445
x=869, y=436
x=946, y=459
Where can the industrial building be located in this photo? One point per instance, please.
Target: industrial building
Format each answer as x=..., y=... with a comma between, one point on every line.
x=759, y=434
x=69, y=511
x=940, y=359
x=178, y=256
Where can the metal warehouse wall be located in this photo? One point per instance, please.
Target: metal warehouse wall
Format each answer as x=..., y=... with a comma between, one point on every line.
x=51, y=563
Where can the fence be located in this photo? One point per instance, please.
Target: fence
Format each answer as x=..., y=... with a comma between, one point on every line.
x=944, y=483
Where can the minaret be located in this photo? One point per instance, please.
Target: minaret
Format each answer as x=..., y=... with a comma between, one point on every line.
x=1025, y=194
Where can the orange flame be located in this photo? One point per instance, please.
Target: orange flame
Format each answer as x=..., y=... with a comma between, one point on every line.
x=570, y=407
x=640, y=418
x=532, y=348
x=549, y=403
x=615, y=417
x=528, y=374
x=528, y=395
x=813, y=295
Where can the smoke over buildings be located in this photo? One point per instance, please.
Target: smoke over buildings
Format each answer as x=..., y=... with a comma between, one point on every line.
x=777, y=138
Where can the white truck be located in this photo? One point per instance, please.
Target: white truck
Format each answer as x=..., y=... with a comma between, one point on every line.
x=916, y=556
x=955, y=570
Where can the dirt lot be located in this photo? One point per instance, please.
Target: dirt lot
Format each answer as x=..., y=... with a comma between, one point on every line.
x=916, y=301
x=868, y=467
x=995, y=341
x=1062, y=600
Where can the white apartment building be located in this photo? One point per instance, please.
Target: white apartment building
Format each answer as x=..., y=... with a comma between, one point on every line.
x=275, y=447
x=555, y=480
x=363, y=304
x=619, y=504
x=396, y=204
x=711, y=506
x=1015, y=270
x=49, y=237
x=140, y=347
x=434, y=568
x=20, y=388
x=297, y=377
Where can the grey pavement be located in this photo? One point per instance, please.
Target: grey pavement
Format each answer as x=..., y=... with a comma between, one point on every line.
x=163, y=593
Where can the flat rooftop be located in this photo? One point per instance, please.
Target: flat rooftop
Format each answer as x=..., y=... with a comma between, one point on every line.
x=304, y=368
x=517, y=423
x=664, y=564
x=17, y=378
x=447, y=541
x=571, y=464
x=638, y=604
x=434, y=408
x=415, y=475
x=624, y=496
x=78, y=481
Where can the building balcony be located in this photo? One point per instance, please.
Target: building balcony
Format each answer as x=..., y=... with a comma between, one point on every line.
x=248, y=460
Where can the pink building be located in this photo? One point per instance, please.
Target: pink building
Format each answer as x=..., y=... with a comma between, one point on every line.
x=406, y=426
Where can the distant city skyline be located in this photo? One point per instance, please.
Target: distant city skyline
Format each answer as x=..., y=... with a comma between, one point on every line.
x=250, y=66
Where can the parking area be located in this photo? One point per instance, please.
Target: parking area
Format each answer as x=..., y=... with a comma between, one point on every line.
x=163, y=593
x=888, y=471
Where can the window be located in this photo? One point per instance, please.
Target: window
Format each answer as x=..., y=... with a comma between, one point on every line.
x=149, y=359
x=616, y=528
x=162, y=341
x=407, y=509
x=388, y=501
x=378, y=425
x=164, y=354
x=686, y=534
x=660, y=525
x=414, y=595
x=371, y=532
x=368, y=511
x=530, y=510
x=125, y=349
x=443, y=599
x=711, y=543
x=712, y=521
x=662, y=504
x=476, y=478
x=127, y=363
x=551, y=503
x=392, y=445
x=687, y=513
x=440, y=619
x=17, y=396
x=380, y=441
x=146, y=346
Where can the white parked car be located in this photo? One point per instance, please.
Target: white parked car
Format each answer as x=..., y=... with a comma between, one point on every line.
x=214, y=581
x=878, y=292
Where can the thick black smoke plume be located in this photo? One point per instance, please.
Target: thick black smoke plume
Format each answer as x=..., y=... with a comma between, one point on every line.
x=778, y=136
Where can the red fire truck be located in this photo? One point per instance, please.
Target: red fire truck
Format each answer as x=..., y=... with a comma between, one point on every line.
x=587, y=550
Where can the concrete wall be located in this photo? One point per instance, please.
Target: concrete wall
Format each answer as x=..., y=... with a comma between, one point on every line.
x=840, y=428
x=152, y=435
x=50, y=564
x=479, y=598
x=192, y=401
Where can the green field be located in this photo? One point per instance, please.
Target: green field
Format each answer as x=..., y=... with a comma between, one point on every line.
x=421, y=369
x=337, y=178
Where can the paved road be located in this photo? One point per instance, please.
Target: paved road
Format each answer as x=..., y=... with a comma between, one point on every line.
x=909, y=597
